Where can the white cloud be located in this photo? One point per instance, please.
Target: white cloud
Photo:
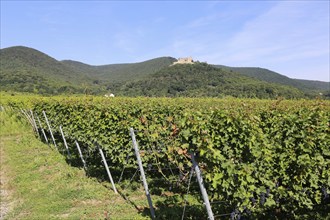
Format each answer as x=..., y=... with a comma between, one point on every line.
x=203, y=21
x=296, y=32
x=290, y=37
x=284, y=28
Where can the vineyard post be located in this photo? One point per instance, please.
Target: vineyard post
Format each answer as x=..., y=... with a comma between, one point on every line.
x=81, y=156
x=27, y=117
x=107, y=169
x=145, y=184
x=34, y=123
x=202, y=188
x=66, y=145
x=42, y=130
x=50, y=130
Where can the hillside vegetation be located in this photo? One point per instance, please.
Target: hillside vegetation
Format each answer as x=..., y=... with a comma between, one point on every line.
x=202, y=80
x=28, y=70
x=115, y=73
x=307, y=86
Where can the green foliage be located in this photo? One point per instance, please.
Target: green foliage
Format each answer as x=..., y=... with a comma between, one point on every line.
x=27, y=70
x=270, y=158
x=203, y=80
x=117, y=73
x=311, y=88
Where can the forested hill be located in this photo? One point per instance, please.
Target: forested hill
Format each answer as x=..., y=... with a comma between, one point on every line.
x=308, y=86
x=203, y=80
x=116, y=73
x=25, y=69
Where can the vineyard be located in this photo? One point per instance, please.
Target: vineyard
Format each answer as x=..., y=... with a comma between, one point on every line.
x=259, y=159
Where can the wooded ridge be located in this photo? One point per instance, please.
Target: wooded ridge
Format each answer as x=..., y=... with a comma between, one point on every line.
x=25, y=69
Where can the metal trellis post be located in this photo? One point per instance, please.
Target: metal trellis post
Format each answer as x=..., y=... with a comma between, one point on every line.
x=66, y=145
x=28, y=118
x=50, y=130
x=202, y=188
x=107, y=168
x=145, y=184
x=42, y=130
x=81, y=156
x=34, y=123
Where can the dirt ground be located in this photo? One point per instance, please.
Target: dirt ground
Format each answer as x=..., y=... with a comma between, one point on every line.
x=6, y=203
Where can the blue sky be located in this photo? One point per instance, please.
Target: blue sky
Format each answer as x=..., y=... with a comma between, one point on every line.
x=289, y=37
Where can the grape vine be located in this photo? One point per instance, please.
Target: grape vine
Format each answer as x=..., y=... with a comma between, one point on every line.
x=263, y=157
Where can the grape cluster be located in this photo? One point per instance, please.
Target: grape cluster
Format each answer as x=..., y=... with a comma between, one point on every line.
x=262, y=198
x=267, y=192
x=170, y=186
x=235, y=215
x=149, y=167
x=325, y=193
x=247, y=211
x=253, y=200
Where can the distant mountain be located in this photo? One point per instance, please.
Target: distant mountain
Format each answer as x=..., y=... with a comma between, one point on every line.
x=308, y=86
x=28, y=70
x=313, y=84
x=203, y=80
x=115, y=73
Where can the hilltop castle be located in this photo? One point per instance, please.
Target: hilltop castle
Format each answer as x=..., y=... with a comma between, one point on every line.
x=184, y=60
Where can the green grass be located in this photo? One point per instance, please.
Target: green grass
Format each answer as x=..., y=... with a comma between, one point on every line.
x=43, y=186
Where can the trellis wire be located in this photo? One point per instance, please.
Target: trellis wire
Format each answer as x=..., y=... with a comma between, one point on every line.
x=195, y=167
x=217, y=202
x=171, y=169
x=122, y=172
x=185, y=199
x=199, y=179
x=137, y=169
x=221, y=215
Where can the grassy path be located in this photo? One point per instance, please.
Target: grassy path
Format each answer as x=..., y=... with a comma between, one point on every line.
x=37, y=183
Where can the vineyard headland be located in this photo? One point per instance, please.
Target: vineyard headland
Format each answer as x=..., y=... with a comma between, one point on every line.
x=260, y=158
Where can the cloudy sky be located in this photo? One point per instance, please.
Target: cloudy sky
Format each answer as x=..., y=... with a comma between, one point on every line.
x=289, y=37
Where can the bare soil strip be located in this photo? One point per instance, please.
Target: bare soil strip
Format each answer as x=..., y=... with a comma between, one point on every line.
x=6, y=203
